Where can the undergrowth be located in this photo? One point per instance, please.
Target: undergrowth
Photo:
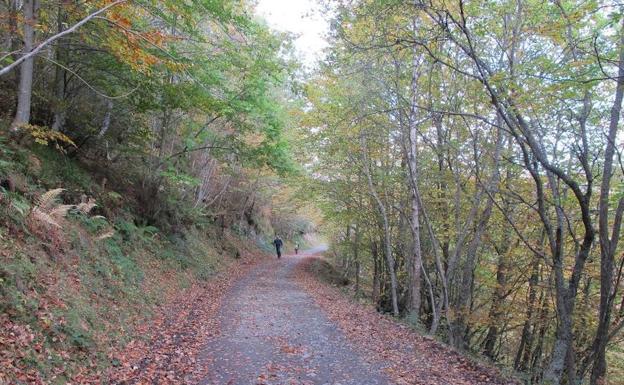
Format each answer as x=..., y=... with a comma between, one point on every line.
x=72, y=293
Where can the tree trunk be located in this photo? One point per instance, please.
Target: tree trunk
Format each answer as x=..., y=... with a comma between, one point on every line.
x=389, y=258
x=496, y=310
x=376, y=273
x=60, y=75
x=535, y=366
x=356, y=258
x=555, y=369
x=521, y=362
x=607, y=246
x=443, y=296
x=414, y=262
x=24, y=95
x=386, y=228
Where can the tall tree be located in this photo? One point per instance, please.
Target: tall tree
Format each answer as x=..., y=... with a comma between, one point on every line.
x=24, y=93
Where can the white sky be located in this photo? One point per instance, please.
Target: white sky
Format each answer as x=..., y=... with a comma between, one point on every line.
x=304, y=19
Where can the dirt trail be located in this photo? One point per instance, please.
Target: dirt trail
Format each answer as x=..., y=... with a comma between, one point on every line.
x=272, y=332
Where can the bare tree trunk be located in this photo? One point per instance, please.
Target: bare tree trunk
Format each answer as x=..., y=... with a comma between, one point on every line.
x=436, y=309
x=386, y=228
x=608, y=245
x=24, y=95
x=107, y=119
x=521, y=361
x=376, y=273
x=564, y=302
x=60, y=76
x=414, y=263
x=443, y=299
x=543, y=321
x=496, y=310
x=356, y=257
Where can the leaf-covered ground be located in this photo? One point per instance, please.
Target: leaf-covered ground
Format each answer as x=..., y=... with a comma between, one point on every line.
x=178, y=335
x=274, y=322
x=407, y=357
x=273, y=333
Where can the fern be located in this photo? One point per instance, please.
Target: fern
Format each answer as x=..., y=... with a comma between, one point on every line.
x=86, y=207
x=50, y=213
x=43, y=217
x=47, y=211
x=47, y=199
x=106, y=234
x=61, y=211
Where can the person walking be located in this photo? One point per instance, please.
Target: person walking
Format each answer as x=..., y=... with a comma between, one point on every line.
x=296, y=248
x=277, y=242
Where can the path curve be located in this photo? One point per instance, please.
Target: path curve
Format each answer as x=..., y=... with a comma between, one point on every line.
x=272, y=332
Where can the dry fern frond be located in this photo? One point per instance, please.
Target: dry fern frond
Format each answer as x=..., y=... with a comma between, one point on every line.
x=44, y=217
x=105, y=234
x=47, y=199
x=60, y=211
x=47, y=211
x=86, y=207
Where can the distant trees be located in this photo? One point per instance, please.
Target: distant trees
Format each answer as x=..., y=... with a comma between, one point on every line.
x=489, y=166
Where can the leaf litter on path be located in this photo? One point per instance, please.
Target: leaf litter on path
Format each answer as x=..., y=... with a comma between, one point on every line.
x=176, y=336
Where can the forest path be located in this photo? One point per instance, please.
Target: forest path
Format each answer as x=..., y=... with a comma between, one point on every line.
x=272, y=332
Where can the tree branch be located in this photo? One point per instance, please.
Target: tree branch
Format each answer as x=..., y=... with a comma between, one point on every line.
x=59, y=35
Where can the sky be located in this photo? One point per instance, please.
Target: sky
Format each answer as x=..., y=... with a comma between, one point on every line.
x=304, y=19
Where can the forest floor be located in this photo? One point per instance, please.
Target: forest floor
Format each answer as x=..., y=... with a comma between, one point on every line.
x=276, y=323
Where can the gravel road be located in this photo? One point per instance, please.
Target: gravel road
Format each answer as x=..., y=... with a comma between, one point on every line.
x=272, y=332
